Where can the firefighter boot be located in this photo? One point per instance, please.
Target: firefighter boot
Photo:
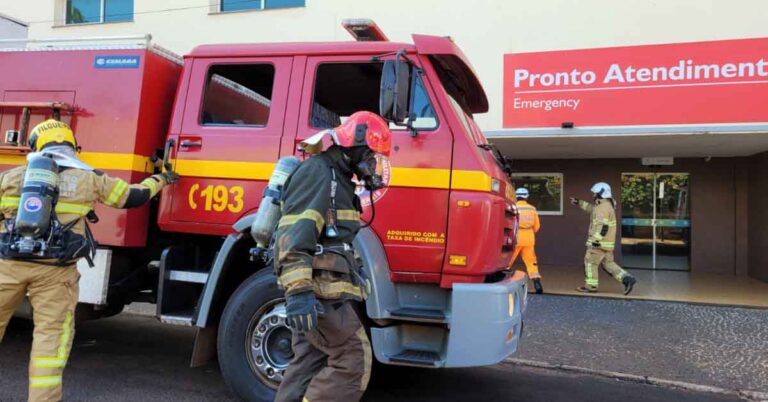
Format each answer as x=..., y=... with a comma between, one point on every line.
x=586, y=289
x=628, y=282
x=537, y=286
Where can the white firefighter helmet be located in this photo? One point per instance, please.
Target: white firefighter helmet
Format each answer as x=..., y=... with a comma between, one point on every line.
x=521, y=192
x=602, y=189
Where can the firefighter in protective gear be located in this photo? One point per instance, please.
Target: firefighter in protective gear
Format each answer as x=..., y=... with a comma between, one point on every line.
x=528, y=226
x=316, y=265
x=52, y=285
x=601, y=240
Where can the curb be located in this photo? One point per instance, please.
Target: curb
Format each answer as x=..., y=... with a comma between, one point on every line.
x=746, y=394
x=618, y=296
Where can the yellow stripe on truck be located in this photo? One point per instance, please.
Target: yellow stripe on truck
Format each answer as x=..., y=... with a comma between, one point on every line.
x=98, y=160
x=420, y=177
x=13, y=159
x=115, y=161
x=474, y=180
x=224, y=169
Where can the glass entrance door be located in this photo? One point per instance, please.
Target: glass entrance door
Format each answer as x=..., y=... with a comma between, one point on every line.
x=655, y=220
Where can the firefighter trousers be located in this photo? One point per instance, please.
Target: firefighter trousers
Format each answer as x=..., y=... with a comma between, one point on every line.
x=331, y=363
x=594, y=259
x=529, y=258
x=53, y=293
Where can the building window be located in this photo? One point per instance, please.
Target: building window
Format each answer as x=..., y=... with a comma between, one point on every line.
x=240, y=5
x=238, y=94
x=546, y=190
x=98, y=11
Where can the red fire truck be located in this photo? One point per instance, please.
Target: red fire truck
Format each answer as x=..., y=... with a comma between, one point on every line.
x=436, y=254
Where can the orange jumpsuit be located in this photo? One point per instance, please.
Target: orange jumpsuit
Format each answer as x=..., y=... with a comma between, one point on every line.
x=526, y=238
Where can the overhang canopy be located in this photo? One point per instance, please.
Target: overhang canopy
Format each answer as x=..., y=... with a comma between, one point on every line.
x=632, y=142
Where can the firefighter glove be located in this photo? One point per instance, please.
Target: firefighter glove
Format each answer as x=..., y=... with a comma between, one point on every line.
x=596, y=244
x=302, y=310
x=170, y=176
x=575, y=201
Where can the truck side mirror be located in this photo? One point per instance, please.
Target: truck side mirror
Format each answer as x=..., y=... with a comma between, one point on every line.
x=394, y=91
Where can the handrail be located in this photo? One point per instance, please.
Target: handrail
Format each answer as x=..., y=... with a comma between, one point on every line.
x=18, y=138
x=38, y=105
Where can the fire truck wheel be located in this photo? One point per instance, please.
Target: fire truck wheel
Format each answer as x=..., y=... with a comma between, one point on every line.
x=254, y=344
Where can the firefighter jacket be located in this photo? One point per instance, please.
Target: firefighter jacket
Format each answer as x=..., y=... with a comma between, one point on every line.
x=79, y=191
x=528, y=224
x=602, y=226
x=306, y=258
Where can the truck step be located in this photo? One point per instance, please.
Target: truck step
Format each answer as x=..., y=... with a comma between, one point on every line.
x=417, y=314
x=188, y=276
x=182, y=279
x=416, y=358
x=182, y=318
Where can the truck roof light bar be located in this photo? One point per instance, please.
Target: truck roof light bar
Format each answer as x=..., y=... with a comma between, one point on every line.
x=364, y=30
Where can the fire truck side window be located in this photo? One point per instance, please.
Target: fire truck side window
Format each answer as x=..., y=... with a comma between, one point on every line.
x=238, y=94
x=344, y=88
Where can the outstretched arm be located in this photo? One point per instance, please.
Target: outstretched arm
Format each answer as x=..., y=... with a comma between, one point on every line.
x=117, y=193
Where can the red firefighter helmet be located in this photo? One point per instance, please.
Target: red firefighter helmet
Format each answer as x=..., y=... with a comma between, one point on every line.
x=360, y=129
x=364, y=128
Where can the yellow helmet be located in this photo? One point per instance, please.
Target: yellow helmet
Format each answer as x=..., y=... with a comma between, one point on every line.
x=51, y=132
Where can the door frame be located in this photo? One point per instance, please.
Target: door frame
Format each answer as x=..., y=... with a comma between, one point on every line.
x=238, y=158
x=655, y=175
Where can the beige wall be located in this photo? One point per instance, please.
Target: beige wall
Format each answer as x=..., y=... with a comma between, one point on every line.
x=11, y=29
x=485, y=29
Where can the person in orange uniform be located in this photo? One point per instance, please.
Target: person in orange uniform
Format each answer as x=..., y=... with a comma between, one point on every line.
x=528, y=225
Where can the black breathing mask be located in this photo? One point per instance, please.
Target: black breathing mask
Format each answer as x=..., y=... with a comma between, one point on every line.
x=363, y=161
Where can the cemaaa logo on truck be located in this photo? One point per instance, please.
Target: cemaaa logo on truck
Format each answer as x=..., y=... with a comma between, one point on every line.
x=116, y=61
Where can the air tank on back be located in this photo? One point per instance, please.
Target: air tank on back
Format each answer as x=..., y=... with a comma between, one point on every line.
x=38, y=193
x=268, y=214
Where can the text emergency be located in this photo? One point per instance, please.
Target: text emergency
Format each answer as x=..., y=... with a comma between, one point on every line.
x=546, y=104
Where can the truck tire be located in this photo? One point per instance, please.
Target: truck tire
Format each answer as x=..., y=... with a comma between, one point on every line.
x=254, y=343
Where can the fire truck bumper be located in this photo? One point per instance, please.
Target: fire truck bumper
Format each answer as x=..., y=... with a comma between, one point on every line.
x=486, y=321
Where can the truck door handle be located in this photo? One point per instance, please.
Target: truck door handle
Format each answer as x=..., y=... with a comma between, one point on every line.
x=191, y=144
x=167, y=154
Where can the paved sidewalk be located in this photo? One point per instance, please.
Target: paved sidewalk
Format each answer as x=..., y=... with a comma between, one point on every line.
x=689, y=287
x=709, y=345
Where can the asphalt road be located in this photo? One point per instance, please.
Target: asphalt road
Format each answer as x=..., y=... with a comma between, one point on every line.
x=133, y=358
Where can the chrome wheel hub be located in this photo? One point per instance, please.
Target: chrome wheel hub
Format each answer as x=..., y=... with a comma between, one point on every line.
x=270, y=344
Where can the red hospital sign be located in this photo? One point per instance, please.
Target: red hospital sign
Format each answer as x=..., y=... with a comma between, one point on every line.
x=685, y=83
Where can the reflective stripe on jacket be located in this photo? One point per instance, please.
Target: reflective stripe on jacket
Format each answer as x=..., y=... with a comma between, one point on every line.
x=602, y=226
x=305, y=206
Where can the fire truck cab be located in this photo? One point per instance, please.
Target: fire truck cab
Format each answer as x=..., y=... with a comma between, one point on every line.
x=437, y=252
